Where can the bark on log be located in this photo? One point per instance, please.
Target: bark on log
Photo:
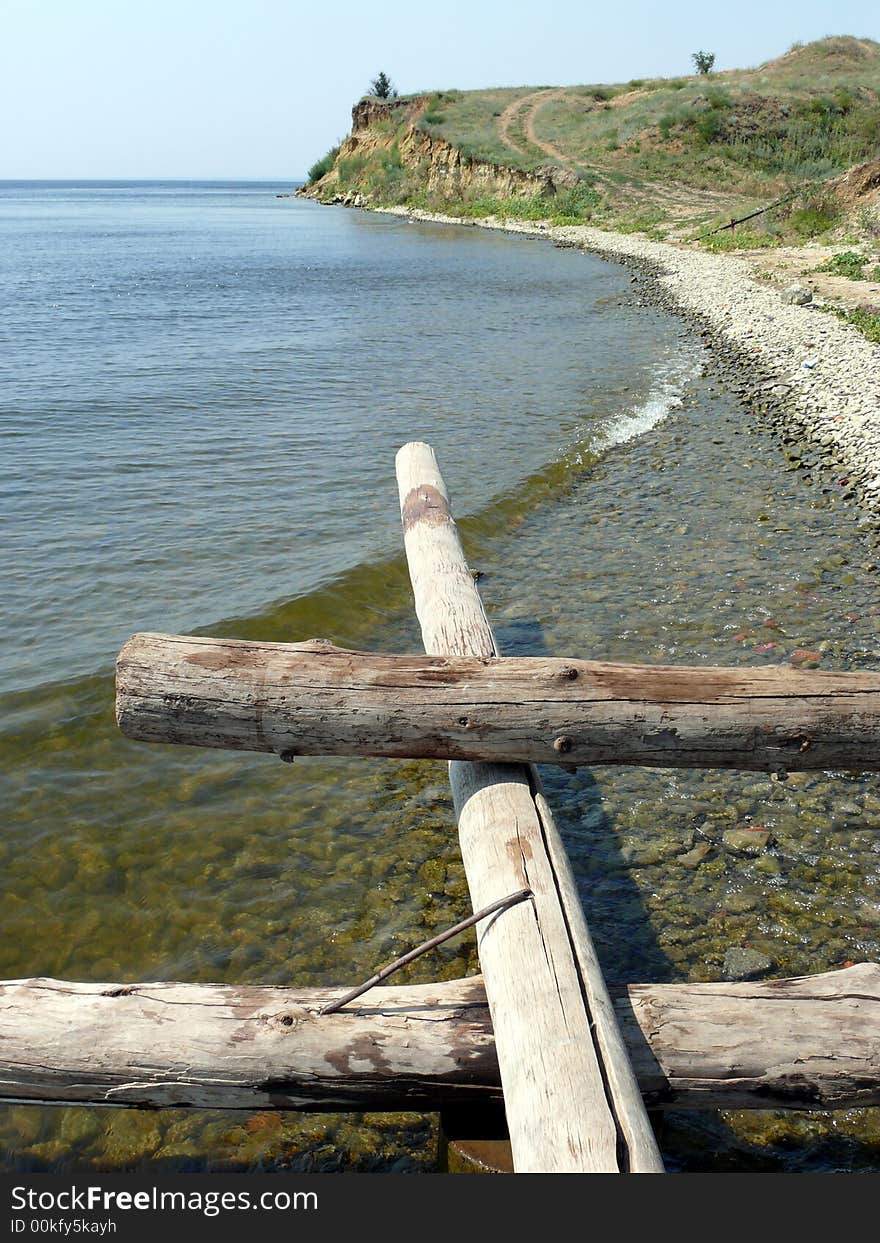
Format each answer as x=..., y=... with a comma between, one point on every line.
x=807, y=1043
x=228, y=1047
x=811, y=1042
x=570, y=1094
x=316, y=699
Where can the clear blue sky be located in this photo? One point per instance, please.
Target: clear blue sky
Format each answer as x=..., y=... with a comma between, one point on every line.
x=261, y=88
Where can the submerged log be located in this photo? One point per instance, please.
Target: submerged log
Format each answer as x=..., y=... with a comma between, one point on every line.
x=316, y=699
x=807, y=1043
x=570, y=1094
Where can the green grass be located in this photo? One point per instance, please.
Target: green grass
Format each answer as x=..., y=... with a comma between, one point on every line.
x=752, y=134
x=813, y=216
x=848, y=263
x=574, y=206
x=865, y=319
x=646, y=220
x=802, y=117
x=742, y=238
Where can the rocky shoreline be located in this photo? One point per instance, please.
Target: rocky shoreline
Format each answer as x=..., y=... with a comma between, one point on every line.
x=815, y=377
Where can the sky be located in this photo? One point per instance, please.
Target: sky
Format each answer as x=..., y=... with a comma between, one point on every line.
x=259, y=89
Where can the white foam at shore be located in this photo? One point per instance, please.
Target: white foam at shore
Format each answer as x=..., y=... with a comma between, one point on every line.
x=835, y=403
x=659, y=404
x=665, y=397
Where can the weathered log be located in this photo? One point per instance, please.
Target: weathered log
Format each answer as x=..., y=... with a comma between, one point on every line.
x=570, y=1094
x=217, y=1045
x=807, y=1043
x=810, y=1042
x=316, y=699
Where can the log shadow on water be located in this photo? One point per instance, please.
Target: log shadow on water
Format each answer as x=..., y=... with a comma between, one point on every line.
x=628, y=948
x=631, y=951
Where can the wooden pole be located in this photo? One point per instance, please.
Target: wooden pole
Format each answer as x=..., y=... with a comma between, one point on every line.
x=731, y=224
x=571, y=1097
x=316, y=699
x=807, y=1043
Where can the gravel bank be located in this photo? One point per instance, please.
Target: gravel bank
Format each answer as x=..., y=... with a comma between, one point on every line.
x=819, y=374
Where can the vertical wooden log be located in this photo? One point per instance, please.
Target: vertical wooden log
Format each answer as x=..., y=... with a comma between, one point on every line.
x=572, y=1101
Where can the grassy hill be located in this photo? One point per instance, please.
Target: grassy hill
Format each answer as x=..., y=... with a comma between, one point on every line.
x=667, y=156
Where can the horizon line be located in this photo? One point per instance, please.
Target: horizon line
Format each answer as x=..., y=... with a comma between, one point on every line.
x=153, y=180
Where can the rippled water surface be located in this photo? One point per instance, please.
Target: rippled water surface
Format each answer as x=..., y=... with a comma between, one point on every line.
x=208, y=385
x=222, y=459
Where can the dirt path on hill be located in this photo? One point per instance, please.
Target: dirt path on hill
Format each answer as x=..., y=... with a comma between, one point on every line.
x=529, y=104
x=673, y=197
x=535, y=102
x=506, y=120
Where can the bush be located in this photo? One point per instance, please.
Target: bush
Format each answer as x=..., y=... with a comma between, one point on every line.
x=322, y=166
x=709, y=125
x=349, y=170
x=575, y=205
x=703, y=61
x=814, y=216
x=848, y=263
x=717, y=99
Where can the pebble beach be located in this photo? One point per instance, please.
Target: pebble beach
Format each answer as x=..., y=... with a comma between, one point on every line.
x=800, y=362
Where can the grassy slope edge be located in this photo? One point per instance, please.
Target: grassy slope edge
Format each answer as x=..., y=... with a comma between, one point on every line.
x=671, y=158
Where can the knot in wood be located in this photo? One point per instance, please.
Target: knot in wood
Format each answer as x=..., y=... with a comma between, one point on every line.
x=563, y=744
x=425, y=504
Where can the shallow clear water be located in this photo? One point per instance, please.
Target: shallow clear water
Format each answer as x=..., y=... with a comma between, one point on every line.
x=656, y=522
x=206, y=387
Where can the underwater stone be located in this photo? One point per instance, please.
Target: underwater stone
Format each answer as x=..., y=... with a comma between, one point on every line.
x=745, y=964
x=745, y=841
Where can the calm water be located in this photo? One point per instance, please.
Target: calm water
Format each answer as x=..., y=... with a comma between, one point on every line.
x=207, y=388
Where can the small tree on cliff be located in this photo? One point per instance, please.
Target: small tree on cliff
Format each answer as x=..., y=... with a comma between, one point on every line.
x=382, y=87
x=703, y=61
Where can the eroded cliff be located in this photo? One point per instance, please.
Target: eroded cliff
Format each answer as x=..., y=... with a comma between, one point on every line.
x=389, y=157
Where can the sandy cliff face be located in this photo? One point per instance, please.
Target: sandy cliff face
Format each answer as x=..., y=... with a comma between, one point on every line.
x=378, y=125
x=369, y=110
x=448, y=172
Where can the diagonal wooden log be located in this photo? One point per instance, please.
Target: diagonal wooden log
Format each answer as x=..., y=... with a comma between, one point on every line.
x=316, y=699
x=807, y=1043
x=571, y=1097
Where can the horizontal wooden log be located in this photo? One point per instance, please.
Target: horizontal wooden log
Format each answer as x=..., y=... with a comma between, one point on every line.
x=316, y=699
x=217, y=1045
x=807, y=1043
